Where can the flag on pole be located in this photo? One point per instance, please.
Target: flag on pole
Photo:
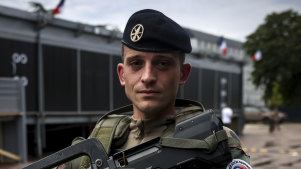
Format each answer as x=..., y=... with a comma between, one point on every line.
x=257, y=55
x=58, y=8
x=222, y=45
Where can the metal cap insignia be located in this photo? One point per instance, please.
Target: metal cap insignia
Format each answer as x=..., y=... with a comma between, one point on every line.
x=137, y=32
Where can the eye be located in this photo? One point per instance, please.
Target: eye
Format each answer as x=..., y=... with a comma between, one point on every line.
x=136, y=63
x=163, y=63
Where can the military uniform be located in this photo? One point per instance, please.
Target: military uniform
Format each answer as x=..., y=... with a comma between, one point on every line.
x=120, y=132
x=151, y=31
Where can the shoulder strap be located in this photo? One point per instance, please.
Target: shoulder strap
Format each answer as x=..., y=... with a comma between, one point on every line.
x=104, y=131
x=189, y=109
x=107, y=124
x=208, y=145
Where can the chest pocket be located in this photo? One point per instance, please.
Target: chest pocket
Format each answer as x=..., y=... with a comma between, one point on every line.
x=113, y=127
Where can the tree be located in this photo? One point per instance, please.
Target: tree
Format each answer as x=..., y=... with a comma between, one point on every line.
x=279, y=70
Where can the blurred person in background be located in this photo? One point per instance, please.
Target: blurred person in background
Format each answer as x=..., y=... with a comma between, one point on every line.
x=227, y=114
x=274, y=120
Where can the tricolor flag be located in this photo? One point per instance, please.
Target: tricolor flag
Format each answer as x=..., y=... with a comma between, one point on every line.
x=58, y=8
x=222, y=45
x=257, y=55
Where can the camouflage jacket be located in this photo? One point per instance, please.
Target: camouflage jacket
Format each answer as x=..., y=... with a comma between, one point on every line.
x=117, y=131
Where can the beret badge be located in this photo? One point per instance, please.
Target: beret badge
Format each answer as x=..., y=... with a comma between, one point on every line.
x=136, y=33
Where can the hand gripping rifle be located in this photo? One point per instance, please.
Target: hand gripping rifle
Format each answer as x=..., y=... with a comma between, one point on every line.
x=198, y=142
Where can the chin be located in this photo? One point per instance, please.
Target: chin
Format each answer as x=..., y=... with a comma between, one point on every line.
x=150, y=106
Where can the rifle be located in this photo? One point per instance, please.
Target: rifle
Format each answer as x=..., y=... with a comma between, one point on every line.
x=198, y=142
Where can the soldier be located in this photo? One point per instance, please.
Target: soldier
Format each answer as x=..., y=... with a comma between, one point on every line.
x=153, y=68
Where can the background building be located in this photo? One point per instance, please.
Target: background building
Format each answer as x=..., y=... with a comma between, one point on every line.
x=68, y=72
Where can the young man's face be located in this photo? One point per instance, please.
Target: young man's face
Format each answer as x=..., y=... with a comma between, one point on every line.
x=151, y=81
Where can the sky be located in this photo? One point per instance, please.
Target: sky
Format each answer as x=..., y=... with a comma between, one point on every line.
x=233, y=19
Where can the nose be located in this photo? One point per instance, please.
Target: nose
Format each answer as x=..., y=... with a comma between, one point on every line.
x=149, y=74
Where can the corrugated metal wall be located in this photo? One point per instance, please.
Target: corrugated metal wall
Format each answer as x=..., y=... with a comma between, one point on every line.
x=13, y=137
x=96, y=76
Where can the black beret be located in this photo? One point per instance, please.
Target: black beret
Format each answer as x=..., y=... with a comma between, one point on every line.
x=150, y=30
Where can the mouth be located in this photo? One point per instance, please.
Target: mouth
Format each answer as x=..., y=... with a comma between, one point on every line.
x=148, y=92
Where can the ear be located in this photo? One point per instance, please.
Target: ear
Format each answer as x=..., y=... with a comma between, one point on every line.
x=185, y=71
x=120, y=71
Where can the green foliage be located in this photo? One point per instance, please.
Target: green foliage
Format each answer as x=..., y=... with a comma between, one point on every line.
x=276, y=99
x=279, y=70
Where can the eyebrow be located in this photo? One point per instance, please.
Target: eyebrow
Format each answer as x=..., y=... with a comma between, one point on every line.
x=133, y=57
x=157, y=56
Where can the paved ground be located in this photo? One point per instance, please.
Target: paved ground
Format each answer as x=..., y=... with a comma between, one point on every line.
x=279, y=150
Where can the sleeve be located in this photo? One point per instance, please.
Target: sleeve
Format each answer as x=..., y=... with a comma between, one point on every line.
x=236, y=149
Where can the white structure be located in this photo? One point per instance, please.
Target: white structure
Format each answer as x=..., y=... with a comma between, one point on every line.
x=207, y=44
x=252, y=95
